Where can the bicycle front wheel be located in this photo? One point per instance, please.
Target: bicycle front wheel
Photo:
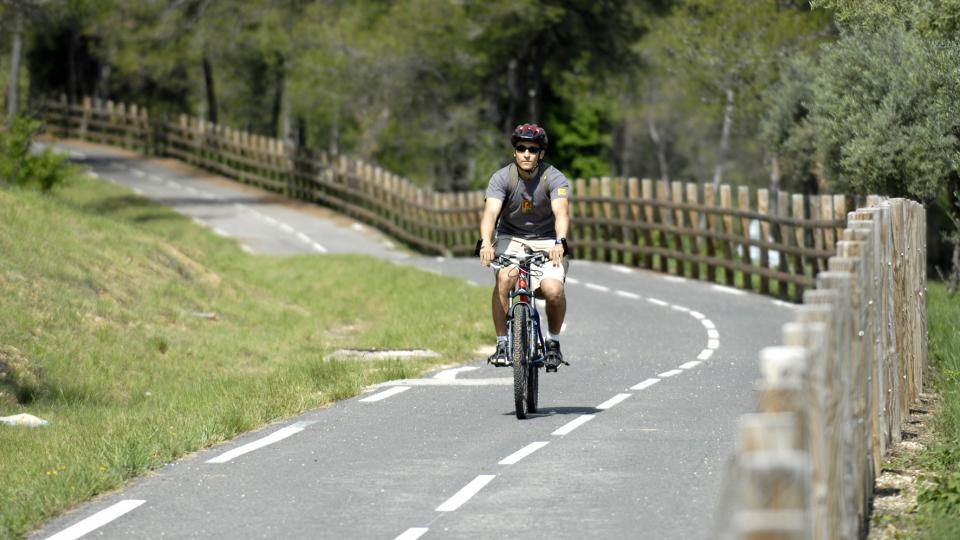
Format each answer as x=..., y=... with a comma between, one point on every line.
x=518, y=356
x=533, y=383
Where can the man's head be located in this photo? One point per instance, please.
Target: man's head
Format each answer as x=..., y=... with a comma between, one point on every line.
x=529, y=142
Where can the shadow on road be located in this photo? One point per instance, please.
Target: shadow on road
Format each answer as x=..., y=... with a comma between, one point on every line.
x=553, y=411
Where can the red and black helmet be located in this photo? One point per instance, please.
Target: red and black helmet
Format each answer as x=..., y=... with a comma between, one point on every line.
x=529, y=132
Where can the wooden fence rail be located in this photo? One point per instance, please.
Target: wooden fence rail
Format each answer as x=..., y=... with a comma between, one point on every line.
x=774, y=243
x=833, y=398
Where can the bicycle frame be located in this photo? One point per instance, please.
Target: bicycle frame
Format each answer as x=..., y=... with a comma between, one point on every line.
x=521, y=295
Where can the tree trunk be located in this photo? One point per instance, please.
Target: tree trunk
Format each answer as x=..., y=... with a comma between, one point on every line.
x=13, y=92
x=279, y=106
x=535, y=84
x=661, y=149
x=774, y=174
x=72, y=78
x=211, y=92
x=513, y=85
x=724, y=140
x=334, y=147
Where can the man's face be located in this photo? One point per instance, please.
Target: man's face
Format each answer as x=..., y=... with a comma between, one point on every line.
x=528, y=154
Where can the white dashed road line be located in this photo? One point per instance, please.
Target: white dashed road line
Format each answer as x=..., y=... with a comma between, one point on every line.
x=466, y=493
x=385, y=394
x=658, y=302
x=513, y=458
x=596, y=287
x=690, y=365
x=670, y=373
x=613, y=401
x=705, y=354
x=645, y=384
x=97, y=520
x=574, y=424
x=276, y=436
x=630, y=295
x=412, y=533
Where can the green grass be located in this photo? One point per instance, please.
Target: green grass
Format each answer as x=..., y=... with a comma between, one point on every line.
x=938, y=508
x=103, y=297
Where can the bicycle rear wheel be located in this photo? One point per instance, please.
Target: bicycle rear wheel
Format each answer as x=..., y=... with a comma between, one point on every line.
x=518, y=356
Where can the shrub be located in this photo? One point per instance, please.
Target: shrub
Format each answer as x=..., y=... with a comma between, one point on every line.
x=20, y=165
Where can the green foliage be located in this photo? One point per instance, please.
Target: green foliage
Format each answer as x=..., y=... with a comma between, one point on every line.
x=938, y=501
x=931, y=18
x=942, y=495
x=706, y=47
x=884, y=110
x=21, y=166
x=786, y=125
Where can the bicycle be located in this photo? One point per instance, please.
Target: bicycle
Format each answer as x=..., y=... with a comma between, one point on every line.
x=524, y=337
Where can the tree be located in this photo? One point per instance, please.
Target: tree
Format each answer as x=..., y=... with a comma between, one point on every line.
x=720, y=57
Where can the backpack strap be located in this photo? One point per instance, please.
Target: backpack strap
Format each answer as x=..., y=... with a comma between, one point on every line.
x=513, y=180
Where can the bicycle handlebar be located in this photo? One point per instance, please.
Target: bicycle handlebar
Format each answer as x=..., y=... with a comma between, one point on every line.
x=535, y=258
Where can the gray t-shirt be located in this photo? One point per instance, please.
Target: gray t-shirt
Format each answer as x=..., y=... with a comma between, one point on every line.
x=528, y=214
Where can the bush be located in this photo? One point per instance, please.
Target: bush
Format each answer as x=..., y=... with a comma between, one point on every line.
x=21, y=166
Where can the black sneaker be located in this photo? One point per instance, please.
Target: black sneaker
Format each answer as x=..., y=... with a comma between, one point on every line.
x=500, y=358
x=553, y=358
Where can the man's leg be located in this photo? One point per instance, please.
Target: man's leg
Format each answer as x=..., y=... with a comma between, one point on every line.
x=500, y=303
x=556, y=299
x=552, y=290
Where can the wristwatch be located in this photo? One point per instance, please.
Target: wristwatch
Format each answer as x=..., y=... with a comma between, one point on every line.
x=562, y=242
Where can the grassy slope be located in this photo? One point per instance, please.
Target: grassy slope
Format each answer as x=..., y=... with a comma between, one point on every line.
x=100, y=293
x=939, y=506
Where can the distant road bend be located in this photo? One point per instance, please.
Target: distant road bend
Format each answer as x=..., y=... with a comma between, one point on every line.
x=631, y=443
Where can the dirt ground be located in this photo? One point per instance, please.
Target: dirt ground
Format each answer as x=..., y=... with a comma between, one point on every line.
x=895, y=490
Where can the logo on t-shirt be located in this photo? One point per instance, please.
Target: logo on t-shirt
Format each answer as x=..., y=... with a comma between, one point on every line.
x=562, y=192
x=526, y=206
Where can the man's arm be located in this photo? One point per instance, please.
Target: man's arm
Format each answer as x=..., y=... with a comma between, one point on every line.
x=491, y=209
x=561, y=217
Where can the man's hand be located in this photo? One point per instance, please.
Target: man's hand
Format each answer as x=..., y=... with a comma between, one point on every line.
x=556, y=254
x=487, y=254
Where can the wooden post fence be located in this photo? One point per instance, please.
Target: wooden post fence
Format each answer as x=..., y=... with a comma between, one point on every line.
x=772, y=243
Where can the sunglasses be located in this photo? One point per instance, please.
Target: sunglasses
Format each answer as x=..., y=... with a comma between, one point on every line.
x=532, y=149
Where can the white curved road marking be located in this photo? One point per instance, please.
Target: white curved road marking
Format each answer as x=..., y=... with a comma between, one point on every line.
x=451, y=374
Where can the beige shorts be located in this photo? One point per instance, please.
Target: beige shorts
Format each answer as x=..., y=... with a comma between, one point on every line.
x=511, y=245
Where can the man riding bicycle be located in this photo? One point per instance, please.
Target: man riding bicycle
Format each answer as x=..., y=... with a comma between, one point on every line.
x=527, y=204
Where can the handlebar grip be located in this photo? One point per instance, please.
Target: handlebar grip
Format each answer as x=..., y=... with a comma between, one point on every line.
x=476, y=250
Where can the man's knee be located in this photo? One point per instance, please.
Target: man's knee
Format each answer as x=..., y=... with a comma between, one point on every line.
x=505, y=281
x=552, y=290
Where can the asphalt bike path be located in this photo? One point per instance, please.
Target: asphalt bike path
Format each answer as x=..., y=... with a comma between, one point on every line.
x=631, y=441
